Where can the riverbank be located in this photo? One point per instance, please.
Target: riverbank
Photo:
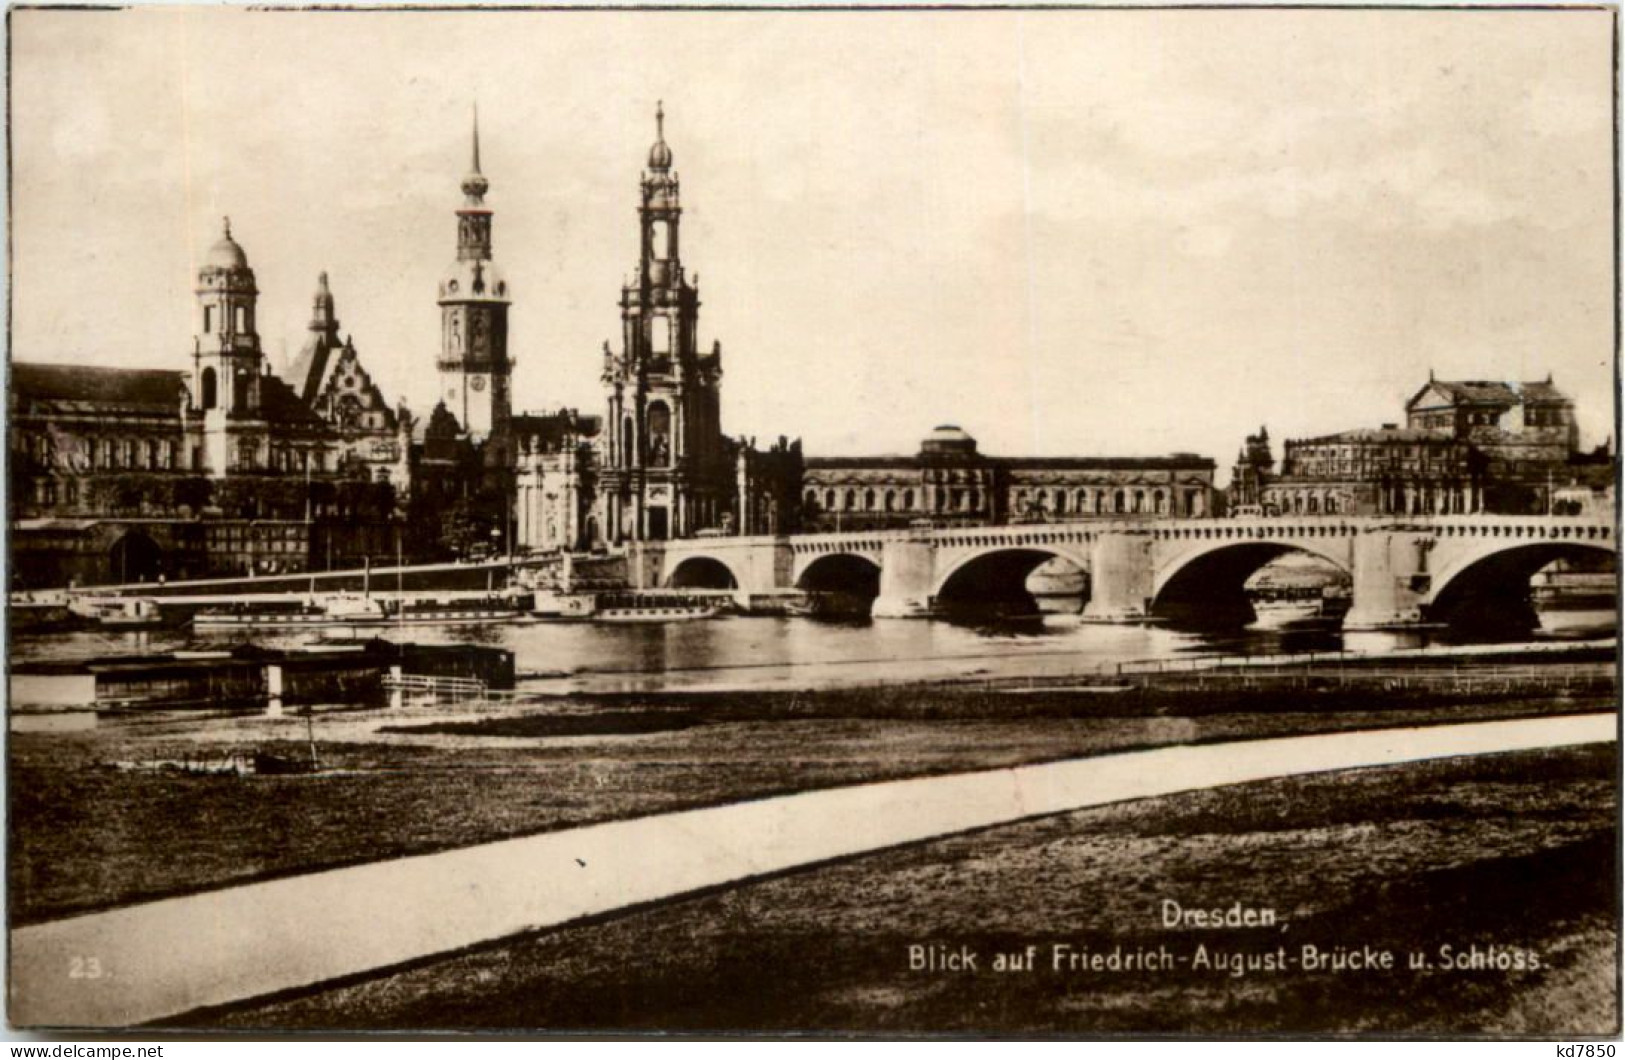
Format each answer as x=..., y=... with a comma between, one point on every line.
x=1511, y=852
x=87, y=836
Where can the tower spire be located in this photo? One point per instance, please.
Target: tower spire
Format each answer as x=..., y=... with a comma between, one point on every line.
x=660, y=154
x=475, y=185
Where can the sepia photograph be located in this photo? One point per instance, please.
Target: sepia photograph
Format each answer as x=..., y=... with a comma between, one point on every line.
x=1122, y=544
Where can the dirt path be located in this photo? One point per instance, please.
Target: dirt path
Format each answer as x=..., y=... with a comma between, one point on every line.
x=146, y=962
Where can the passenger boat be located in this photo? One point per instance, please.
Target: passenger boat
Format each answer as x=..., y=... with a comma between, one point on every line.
x=341, y=609
x=1285, y=607
x=118, y=612
x=1566, y=601
x=656, y=613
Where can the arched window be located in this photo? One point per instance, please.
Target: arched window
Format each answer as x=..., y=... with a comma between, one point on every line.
x=851, y=500
x=1121, y=504
x=1081, y=504
x=891, y=501
x=868, y=500
x=1314, y=504
x=829, y=500
x=908, y=500
x=659, y=434
x=1139, y=501
x=810, y=501
x=239, y=390
x=210, y=393
x=1060, y=503
x=1159, y=502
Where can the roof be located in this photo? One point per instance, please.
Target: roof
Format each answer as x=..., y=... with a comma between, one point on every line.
x=1378, y=435
x=1023, y=463
x=65, y=387
x=550, y=427
x=280, y=404
x=1108, y=463
x=309, y=368
x=1489, y=392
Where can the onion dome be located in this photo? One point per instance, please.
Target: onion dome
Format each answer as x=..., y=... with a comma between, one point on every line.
x=660, y=154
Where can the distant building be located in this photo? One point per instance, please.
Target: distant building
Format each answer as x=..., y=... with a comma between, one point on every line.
x=949, y=482
x=1466, y=447
x=218, y=468
x=1254, y=466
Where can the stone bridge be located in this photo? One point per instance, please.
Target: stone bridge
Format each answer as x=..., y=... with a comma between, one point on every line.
x=1404, y=570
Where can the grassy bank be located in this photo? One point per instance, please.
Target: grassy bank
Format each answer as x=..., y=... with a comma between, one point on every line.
x=1514, y=852
x=86, y=836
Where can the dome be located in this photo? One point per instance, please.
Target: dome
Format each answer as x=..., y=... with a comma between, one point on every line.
x=473, y=280
x=660, y=154
x=948, y=439
x=226, y=254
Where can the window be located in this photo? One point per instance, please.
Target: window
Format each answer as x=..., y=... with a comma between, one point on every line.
x=829, y=500
x=210, y=393
x=660, y=336
x=908, y=500
x=208, y=319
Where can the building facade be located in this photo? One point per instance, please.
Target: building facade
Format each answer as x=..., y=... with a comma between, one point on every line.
x=218, y=468
x=666, y=468
x=1466, y=447
x=948, y=482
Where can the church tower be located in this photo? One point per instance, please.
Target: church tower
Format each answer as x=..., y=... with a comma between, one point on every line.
x=228, y=365
x=667, y=469
x=475, y=369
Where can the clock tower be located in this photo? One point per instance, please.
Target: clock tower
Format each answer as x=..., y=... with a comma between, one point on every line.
x=475, y=369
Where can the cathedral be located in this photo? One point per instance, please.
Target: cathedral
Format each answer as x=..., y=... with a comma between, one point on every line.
x=658, y=465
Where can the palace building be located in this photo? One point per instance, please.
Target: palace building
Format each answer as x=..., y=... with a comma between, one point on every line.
x=1466, y=447
x=949, y=483
x=218, y=467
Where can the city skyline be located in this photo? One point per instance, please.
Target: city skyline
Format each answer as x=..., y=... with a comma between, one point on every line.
x=1243, y=260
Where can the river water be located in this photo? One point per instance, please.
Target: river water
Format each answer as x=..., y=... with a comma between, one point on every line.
x=764, y=652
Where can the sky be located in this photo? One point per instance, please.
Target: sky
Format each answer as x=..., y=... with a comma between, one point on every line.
x=1071, y=233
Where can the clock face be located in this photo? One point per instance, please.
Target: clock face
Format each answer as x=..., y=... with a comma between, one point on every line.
x=477, y=383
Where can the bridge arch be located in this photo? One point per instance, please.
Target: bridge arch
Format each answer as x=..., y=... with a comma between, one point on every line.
x=1210, y=582
x=848, y=573
x=997, y=576
x=703, y=572
x=1491, y=586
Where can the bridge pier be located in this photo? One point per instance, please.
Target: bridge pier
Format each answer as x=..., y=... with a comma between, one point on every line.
x=1391, y=579
x=1121, y=578
x=906, y=571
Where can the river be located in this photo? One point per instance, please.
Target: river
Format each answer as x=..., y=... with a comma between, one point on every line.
x=762, y=652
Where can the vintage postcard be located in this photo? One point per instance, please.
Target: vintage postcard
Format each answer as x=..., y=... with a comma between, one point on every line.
x=1121, y=542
